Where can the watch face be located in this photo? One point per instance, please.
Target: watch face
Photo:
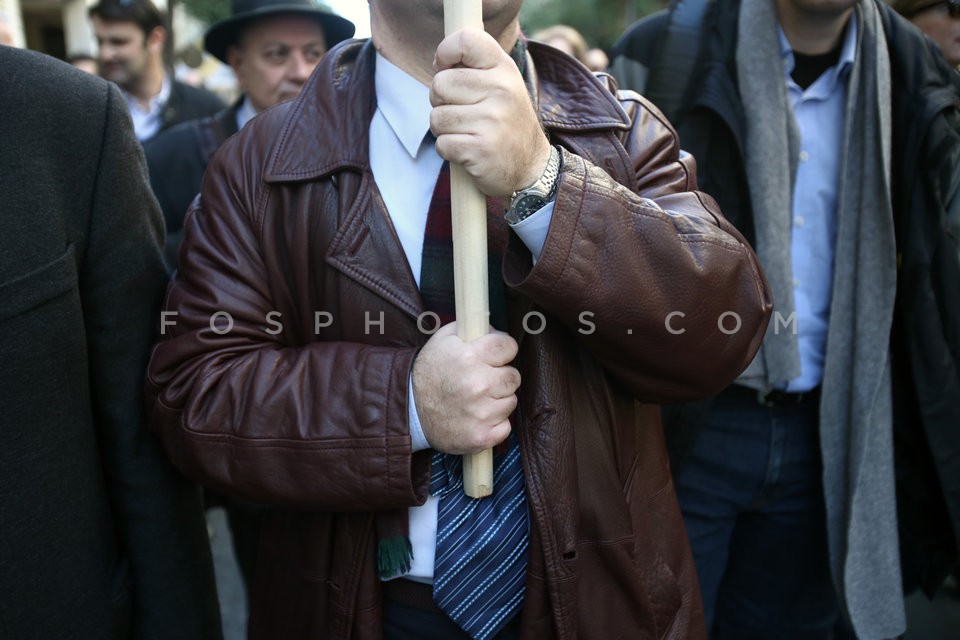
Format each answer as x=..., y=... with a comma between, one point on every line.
x=528, y=205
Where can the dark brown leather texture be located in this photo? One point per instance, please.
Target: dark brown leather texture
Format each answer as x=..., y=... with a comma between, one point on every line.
x=313, y=421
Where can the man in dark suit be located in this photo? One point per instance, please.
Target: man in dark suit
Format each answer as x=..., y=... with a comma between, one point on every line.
x=99, y=536
x=131, y=35
x=272, y=47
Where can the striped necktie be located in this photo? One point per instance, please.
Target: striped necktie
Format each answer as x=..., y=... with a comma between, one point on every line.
x=481, y=553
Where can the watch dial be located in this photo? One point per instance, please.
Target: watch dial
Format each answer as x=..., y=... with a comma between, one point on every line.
x=529, y=205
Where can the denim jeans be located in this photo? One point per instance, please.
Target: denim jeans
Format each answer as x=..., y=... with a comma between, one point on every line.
x=751, y=491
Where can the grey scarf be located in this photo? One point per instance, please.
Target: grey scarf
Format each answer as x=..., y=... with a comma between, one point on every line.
x=771, y=128
x=856, y=424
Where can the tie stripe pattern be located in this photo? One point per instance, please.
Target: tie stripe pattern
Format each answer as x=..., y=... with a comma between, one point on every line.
x=481, y=553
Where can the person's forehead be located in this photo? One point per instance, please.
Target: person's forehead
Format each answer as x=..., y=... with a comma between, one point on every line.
x=115, y=27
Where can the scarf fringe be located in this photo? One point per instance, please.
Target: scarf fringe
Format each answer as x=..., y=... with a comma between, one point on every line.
x=394, y=557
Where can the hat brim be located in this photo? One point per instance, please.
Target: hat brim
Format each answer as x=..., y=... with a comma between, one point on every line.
x=222, y=35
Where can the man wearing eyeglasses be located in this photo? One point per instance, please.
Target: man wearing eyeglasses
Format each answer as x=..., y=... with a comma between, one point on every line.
x=130, y=36
x=940, y=20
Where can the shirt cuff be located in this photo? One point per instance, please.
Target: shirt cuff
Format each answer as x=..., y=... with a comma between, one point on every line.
x=533, y=229
x=418, y=441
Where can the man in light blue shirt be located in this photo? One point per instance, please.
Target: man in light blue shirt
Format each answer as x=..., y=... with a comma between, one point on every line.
x=828, y=133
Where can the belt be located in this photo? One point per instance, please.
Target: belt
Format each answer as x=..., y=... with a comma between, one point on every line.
x=409, y=593
x=774, y=397
x=418, y=595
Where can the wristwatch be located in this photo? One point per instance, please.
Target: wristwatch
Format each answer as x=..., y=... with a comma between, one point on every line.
x=528, y=201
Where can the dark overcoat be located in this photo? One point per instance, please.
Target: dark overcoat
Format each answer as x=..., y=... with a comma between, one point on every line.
x=187, y=103
x=100, y=538
x=176, y=159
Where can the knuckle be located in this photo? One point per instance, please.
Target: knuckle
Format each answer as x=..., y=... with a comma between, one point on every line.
x=442, y=145
x=478, y=441
x=472, y=386
x=501, y=433
x=470, y=357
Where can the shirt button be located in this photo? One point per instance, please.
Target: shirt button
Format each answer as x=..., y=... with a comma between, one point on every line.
x=804, y=156
x=799, y=221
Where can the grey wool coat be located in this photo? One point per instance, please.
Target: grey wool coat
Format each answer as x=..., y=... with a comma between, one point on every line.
x=99, y=535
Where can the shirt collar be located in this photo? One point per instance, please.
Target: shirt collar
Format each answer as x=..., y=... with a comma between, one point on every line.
x=245, y=112
x=847, y=53
x=404, y=102
x=156, y=102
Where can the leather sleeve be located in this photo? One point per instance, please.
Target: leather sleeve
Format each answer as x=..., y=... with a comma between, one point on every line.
x=256, y=418
x=650, y=277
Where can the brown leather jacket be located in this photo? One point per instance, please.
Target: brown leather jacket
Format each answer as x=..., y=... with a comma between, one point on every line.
x=312, y=420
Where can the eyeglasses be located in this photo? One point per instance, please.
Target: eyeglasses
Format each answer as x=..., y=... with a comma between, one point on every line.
x=953, y=8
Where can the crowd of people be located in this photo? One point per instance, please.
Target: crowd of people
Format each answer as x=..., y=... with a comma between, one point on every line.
x=720, y=385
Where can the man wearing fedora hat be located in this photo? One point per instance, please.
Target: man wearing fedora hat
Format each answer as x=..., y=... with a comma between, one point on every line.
x=272, y=46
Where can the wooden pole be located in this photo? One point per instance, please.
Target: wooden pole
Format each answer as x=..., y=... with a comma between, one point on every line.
x=468, y=208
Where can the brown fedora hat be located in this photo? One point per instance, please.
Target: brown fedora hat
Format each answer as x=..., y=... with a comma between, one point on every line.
x=221, y=35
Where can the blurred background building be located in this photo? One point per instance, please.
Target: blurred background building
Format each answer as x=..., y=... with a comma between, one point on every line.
x=61, y=28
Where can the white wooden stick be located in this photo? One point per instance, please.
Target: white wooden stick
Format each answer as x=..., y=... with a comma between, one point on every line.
x=468, y=208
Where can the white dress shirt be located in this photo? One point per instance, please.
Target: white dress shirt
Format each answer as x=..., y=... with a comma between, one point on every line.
x=405, y=167
x=245, y=113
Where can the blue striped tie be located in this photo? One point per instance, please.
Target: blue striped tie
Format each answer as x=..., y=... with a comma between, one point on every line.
x=481, y=557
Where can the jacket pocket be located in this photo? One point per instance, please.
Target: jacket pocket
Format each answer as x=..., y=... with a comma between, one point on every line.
x=26, y=292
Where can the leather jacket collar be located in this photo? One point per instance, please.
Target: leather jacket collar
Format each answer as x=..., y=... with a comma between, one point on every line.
x=318, y=137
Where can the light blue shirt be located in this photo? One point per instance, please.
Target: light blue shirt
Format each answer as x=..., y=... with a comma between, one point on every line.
x=405, y=167
x=819, y=111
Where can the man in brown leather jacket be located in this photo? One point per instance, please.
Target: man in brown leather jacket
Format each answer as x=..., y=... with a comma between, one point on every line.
x=297, y=370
